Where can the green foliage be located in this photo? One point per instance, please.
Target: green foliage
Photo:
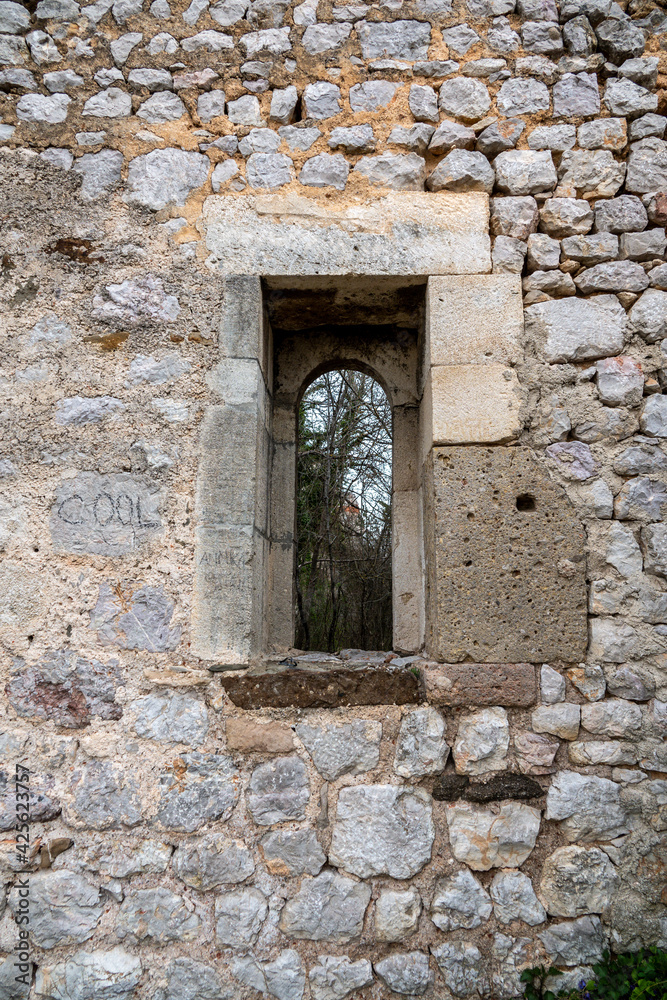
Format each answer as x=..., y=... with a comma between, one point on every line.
x=638, y=976
x=535, y=980
x=629, y=977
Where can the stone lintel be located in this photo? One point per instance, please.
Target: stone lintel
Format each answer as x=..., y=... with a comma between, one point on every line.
x=513, y=685
x=322, y=688
x=396, y=233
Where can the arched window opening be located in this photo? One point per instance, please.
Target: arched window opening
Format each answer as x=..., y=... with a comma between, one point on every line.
x=343, y=514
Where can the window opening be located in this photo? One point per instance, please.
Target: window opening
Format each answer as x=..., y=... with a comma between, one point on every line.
x=343, y=514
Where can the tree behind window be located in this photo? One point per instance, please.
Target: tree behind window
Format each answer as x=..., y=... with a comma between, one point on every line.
x=343, y=577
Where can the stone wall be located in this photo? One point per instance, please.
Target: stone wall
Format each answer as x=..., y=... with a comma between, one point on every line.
x=369, y=825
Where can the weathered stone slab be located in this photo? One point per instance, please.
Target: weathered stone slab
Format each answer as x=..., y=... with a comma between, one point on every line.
x=65, y=688
x=266, y=737
x=322, y=689
x=113, y=973
x=398, y=233
x=512, y=685
x=492, y=307
x=475, y=405
x=200, y=788
x=507, y=571
x=104, y=515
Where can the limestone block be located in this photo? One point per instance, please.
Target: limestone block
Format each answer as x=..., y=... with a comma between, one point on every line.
x=64, y=908
x=407, y=552
x=250, y=735
x=460, y=902
x=589, y=807
x=459, y=684
x=278, y=790
x=506, y=576
x=207, y=789
x=352, y=748
x=514, y=899
x=382, y=829
x=157, y=916
x=474, y=404
x=292, y=852
x=213, y=860
x=406, y=973
x=329, y=907
x=575, y=942
x=557, y=720
x=397, y=914
x=335, y=978
x=576, y=880
x=275, y=234
x=86, y=973
x=483, y=839
x=239, y=916
x=461, y=966
x=482, y=742
x=421, y=748
x=476, y=319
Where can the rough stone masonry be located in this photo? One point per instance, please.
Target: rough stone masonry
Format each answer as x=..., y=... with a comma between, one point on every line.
x=491, y=795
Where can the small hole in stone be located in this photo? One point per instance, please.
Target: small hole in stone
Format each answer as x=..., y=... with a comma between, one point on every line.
x=468, y=563
x=471, y=517
x=30, y=638
x=525, y=502
x=68, y=631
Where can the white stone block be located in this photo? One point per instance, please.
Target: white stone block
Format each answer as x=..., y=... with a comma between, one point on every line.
x=474, y=404
x=474, y=319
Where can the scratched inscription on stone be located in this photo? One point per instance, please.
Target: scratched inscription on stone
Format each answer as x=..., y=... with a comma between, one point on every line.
x=105, y=515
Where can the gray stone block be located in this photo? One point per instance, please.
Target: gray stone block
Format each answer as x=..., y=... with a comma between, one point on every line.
x=353, y=748
x=208, y=789
x=103, y=796
x=187, y=979
x=157, y=916
x=65, y=688
x=522, y=96
x=211, y=861
x=372, y=834
x=373, y=95
x=239, y=916
x=394, y=40
x=462, y=170
x=86, y=973
x=278, y=790
x=325, y=170
x=465, y=98
x=106, y=515
x=335, y=978
x=329, y=907
x=293, y=852
x=406, y=973
x=165, y=177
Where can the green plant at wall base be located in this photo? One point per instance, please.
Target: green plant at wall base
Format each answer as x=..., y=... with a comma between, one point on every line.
x=638, y=976
x=632, y=977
